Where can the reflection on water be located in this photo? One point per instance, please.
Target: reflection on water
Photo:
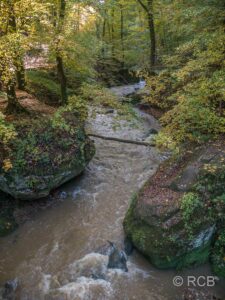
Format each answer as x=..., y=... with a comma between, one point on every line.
x=53, y=254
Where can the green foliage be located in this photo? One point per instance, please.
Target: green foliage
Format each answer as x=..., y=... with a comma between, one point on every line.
x=165, y=141
x=79, y=106
x=189, y=204
x=191, y=88
x=7, y=131
x=44, y=86
x=210, y=187
x=7, y=134
x=18, y=28
x=193, y=120
x=10, y=50
x=98, y=96
x=42, y=145
x=211, y=181
x=160, y=88
x=195, y=257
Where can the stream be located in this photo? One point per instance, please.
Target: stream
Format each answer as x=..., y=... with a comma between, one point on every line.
x=53, y=254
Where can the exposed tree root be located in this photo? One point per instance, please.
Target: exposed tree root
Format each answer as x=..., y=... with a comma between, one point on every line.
x=16, y=108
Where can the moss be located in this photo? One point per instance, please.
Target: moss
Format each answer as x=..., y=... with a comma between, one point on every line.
x=185, y=237
x=195, y=257
x=165, y=248
x=164, y=252
x=218, y=255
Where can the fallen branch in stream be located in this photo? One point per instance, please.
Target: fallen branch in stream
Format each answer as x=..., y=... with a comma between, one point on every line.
x=122, y=140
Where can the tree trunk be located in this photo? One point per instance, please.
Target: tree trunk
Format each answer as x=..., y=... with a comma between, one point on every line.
x=13, y=105
x=122, y=34
x=151, y=26
x=11, y=95
x=113, y=34
x=62, y=79
x=59, y=60
x=20, y=71
x=152, y=40
x=103, y=36
x=20, y=75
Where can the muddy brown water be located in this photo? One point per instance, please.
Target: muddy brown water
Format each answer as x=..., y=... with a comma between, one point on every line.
x=53, y=256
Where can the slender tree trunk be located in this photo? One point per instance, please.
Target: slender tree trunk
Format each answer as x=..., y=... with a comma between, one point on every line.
x=151, y=26
x=13, y=104
x=113, y=34
x=62, y=79
x=103, y=36
x=122, y=35
x=152, y=40
x=59, y=59
x=20, y=75
x=11, y=95
x=20, y=71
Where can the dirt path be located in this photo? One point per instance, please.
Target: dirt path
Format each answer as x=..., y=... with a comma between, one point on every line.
x=30, y=103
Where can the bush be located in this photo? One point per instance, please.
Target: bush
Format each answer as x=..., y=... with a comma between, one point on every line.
x=194, y=91
x=191, y=119
x=78, y=105
x=7, y=135
x=160, y=88
x=42, y=145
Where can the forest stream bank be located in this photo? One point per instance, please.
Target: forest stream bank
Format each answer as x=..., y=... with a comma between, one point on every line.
x=53, y=252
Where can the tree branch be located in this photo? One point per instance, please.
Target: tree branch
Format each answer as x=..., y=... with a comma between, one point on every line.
x=107, y=138
x=148, y=11
x=143, y=5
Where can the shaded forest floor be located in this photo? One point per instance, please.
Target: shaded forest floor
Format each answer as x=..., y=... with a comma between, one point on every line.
x=30, y=103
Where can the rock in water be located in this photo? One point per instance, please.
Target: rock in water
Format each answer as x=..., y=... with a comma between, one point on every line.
x=10, y=289
x=128, y=246
x=117, y=259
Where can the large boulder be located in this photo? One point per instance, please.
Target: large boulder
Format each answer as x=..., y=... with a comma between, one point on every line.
x=174, y=217
x=44, y=155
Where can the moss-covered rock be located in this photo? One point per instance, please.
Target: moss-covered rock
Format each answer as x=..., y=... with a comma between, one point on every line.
x=218, y=254
x=163, y=238
x=173, y=218
x=45, y=154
